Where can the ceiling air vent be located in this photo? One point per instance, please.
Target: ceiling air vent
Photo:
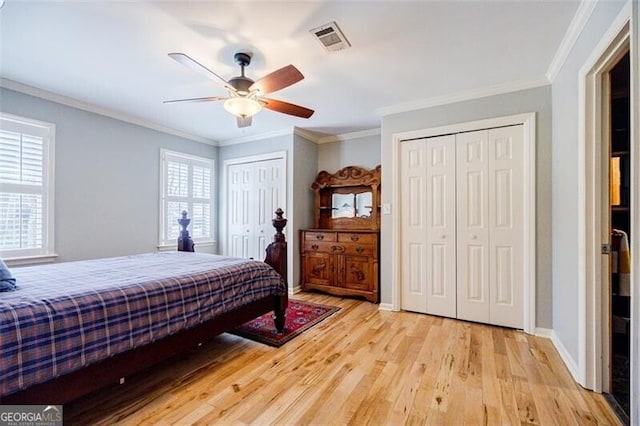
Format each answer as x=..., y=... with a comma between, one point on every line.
x=331, y=37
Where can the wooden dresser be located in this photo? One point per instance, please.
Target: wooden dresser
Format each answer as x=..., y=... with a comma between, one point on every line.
x=344, y=263
x=340, y=255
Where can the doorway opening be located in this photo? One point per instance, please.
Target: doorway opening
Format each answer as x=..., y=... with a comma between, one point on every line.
x=619, y=209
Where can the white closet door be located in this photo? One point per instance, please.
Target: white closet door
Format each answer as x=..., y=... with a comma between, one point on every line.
x=268, y=193
x=506, y=188
x=472, y=226
x=239, y=221
x=429, y=229
x=414, y=225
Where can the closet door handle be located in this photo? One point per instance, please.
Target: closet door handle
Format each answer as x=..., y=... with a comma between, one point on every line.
x=474, y=237
x=443, y=236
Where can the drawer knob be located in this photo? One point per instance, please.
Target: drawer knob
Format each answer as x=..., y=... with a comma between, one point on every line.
x=354, y=238
x=359, y=250
x=320, y=237
x=315, y=246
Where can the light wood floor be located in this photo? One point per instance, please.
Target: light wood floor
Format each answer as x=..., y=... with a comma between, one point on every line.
x=359, y=366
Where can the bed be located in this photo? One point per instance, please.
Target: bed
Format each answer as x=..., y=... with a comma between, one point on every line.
x=71, y=328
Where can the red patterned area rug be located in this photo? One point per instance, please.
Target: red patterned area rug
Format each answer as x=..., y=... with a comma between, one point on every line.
x=301, y=316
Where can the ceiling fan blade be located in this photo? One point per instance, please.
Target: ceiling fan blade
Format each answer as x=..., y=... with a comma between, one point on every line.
x=207, y=99
x=279, y=79
x=287, y=108
x=243, y=121
x=198, y=67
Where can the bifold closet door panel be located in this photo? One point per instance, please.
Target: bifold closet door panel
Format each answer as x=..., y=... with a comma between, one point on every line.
x=472, y=212
x=239, y=188
x=428, y=225
x=268, y=193
x=254, y=191
x=506, y=227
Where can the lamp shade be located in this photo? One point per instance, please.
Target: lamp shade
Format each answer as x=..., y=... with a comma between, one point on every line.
x=242, y=107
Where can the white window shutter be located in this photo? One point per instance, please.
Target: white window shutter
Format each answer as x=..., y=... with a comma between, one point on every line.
x=187, y=185
x=26, y=189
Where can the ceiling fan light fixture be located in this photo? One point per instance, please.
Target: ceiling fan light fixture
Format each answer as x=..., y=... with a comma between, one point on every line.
x=242, y=107
x=245, y=95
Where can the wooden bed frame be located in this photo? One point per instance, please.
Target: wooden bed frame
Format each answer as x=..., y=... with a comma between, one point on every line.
x=95, y=376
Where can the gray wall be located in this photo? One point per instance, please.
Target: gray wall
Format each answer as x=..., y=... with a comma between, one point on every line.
x=305, y=162
x=262, y=146
x=106, y=178
x=536, y=100
x=362, y=152
x=565, y=177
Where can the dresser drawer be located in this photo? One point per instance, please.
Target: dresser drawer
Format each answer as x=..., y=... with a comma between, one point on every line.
x=360, y=249
x=319, y=246
x=355, y=237
x=319, y=236
x=338, y=248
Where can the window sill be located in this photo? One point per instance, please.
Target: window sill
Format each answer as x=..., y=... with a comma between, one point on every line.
x=198, y=244
x=30, y=260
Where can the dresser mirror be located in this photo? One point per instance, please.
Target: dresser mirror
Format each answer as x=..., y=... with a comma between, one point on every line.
x=347, y=199
x=351, y=205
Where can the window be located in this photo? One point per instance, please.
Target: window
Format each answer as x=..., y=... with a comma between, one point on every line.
x=187, y=184
x=26, y=187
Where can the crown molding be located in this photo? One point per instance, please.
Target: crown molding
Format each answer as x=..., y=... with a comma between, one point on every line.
x=349, y=136
x=252, y=138
x=308, y=135
x=74, y=103
x=468, y=95
x=580, y=19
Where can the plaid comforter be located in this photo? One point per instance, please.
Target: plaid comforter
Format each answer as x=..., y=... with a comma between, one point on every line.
x=67, y=315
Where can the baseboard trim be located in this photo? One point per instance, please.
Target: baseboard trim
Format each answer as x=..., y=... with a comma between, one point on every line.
x=543, y=332
x=385, y=307
x=564, y=354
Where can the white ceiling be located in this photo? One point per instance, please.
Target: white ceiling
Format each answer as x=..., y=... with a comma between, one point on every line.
x=114, y=55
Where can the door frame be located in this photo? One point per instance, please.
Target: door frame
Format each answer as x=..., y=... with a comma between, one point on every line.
x=635, y=204
x=278, y=155
x=593, y=320
x=528, y=120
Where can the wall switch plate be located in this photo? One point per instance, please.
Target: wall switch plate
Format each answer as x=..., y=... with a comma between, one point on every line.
x=386, y=208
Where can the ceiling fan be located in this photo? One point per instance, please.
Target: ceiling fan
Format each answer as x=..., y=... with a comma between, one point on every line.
x=245, y=95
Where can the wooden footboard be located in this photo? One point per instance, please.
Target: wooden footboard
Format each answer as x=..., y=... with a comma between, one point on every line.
x=95, y=376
